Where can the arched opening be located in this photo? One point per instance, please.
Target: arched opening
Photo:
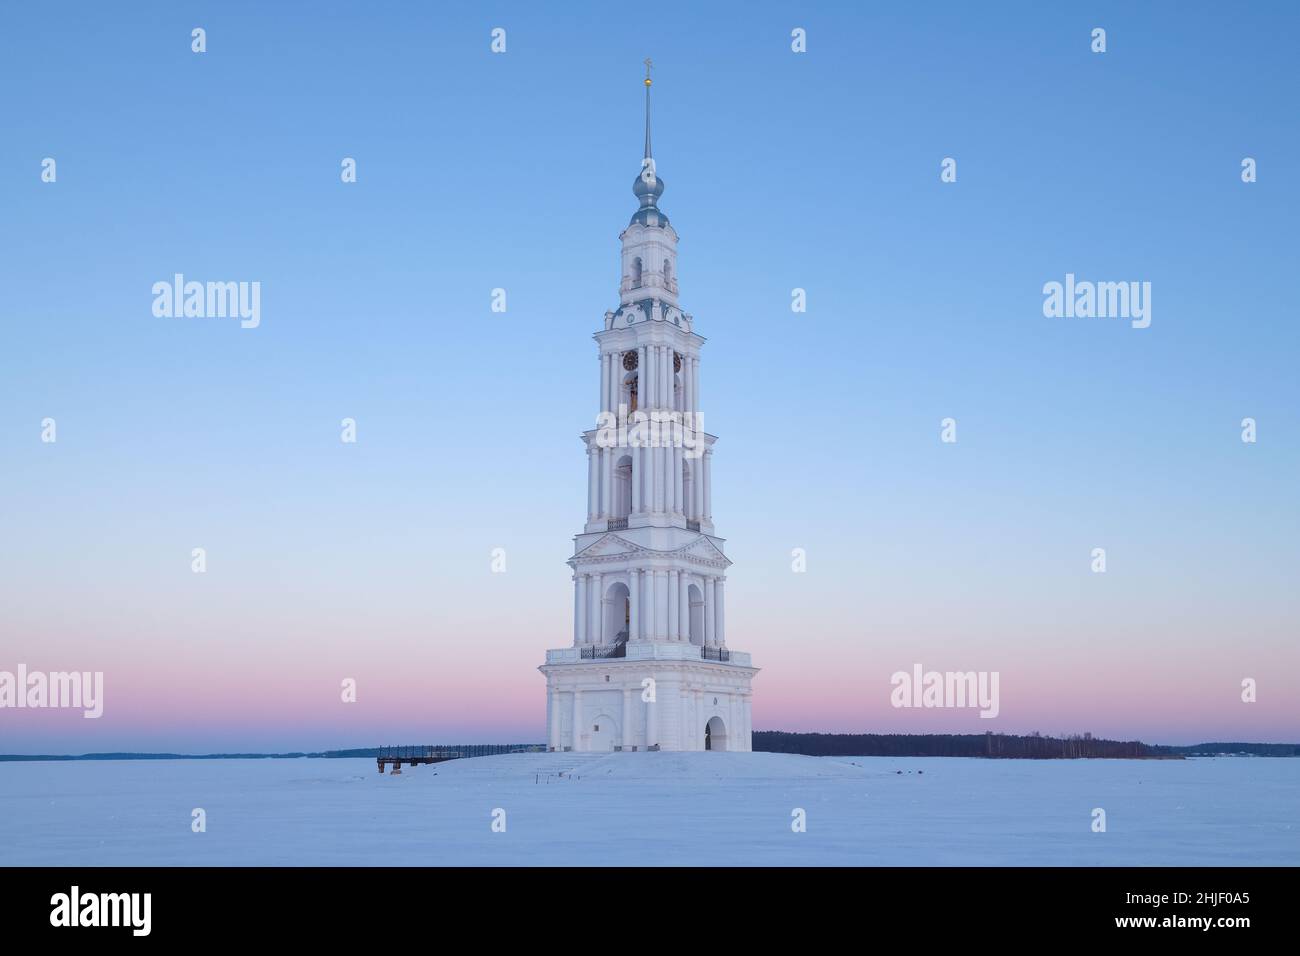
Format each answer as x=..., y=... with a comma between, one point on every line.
x=630, y=390
x=697, y=614
x=618, y=614
x=622, y=488
x=636, y=272
x=715, y=734
x=668, y=273
x=604, y=733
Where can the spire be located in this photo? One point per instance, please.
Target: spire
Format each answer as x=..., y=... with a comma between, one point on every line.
x=648, y=64
x=648, y=186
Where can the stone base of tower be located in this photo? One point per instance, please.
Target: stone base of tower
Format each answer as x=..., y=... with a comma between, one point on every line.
x=660, y=696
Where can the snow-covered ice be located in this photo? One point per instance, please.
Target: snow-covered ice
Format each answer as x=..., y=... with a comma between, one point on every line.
x=653, y=809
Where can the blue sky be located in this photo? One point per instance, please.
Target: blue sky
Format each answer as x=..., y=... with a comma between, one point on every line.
x=816, y=170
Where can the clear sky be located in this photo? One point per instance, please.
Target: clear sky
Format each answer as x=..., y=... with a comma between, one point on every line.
x=477, y=170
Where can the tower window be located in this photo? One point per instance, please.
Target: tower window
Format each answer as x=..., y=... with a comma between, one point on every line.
x=636, y=272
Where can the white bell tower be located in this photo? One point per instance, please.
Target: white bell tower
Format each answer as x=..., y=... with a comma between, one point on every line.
x=649, y=668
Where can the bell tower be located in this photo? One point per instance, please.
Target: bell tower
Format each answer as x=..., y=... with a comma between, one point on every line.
x=649, y=667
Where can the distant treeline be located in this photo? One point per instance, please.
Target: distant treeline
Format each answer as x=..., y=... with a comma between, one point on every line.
x=468, y=750
x=1029, y=746
x=140, y=756
x=1032, y=746
x=1214, y=749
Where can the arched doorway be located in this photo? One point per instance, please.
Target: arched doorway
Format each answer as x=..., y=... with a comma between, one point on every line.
x=715, y=734
x=604, y=734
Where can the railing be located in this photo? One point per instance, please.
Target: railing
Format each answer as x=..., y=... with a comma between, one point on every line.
x=602, y=652
x=715, y=653
x=454, y=751
x=692, y=525
x=616, y=524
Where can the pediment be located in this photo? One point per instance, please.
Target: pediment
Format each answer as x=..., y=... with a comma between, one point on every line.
x=608, y=545
x=612, y=545
x=702, y=548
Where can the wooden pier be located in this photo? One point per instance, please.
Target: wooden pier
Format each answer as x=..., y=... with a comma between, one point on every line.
x=413, y=756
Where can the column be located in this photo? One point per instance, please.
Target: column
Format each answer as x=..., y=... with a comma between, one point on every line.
x=721, y=627
x=615, y=379
x=637, y=474
x=596, y=634
x=577, y=717
x=648, y=615
x=652, y=376
x=749, y=722
x=656, y=480
x=648, y=378
x=665, y=476
x=673, y=614
x=553, y=712
x=651, y=723
x=708, y=482
x=666, y=464
x=697, y=486
x=627, y=719
x=580, y=610
x=591, y=481
x=688, y=492
x=647, y=481
x=698, y=735
x=678, y=507
x=688, y=387
x=607, y=481
x=647, y=607
x=683, y=606
x=668, y=377
x=634, y=609
x=604, y=381
x=661, y=604
x=642, y=377
x=708, y=612
x=652, y=622
x=694, y=383
x=615, y=374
